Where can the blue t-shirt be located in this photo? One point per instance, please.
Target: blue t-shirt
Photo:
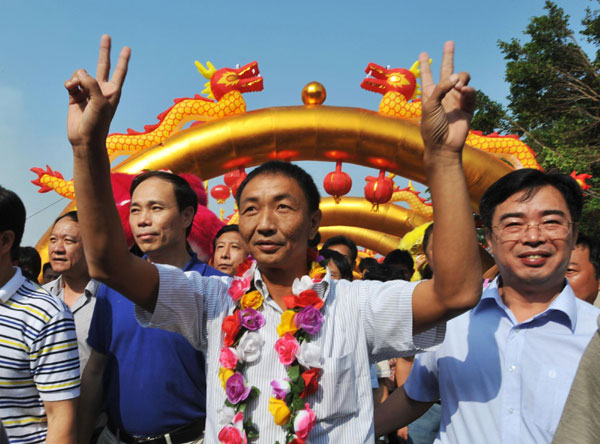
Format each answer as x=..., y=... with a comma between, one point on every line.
x=154, y=380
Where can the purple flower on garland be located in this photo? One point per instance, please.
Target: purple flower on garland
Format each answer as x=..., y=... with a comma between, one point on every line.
x=309, y=319
x=236, y=388
x=252, y=319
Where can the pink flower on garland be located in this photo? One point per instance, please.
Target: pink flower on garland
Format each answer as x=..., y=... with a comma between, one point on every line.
x=281, y=387
x=309, y=319
x=236, y=389
x=286, y=347
x=228, y=358
x=238, y=287
x=304, y=422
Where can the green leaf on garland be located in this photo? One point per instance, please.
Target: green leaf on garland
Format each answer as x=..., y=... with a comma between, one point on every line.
x=229, y=404
x=254, y=392
x=251, y=431
x=294, y=372
x=297, y=403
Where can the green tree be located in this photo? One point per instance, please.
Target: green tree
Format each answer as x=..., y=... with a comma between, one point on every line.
x=554, y=100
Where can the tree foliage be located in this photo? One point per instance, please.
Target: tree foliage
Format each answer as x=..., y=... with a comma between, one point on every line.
x=554, y=100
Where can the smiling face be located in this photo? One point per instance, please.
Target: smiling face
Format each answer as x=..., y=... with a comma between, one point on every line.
x=65, y=249
x=532, y=262
x=156, y=223
x=582, y=275
x=276, y=224
x=230, y=252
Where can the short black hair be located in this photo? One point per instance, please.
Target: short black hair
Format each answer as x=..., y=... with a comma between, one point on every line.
x=69, y=215
x=46, y=266
x=342, y=240
x=12, y=218
x=401, y=263
x=304, y=180
x=339, y=260
x=593, y=247
x=530, y=180
x=185, y=196
x=224, y=229
x=367, y=263
x=30, y=262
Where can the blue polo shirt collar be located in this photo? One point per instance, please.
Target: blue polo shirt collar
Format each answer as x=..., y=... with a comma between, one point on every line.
x=562, y=308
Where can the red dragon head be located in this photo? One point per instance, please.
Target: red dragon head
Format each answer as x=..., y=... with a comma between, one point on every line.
x=383, y=80
x=221, y=81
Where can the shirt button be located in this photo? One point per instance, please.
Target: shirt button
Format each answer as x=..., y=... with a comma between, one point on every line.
x=511, y=411
x=512, y=368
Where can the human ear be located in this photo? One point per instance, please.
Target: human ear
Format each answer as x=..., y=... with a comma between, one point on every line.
x=187, y=216
x=7, y=239
x=315, y=221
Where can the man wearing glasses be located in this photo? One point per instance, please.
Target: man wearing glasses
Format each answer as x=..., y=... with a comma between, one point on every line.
x=505, y=368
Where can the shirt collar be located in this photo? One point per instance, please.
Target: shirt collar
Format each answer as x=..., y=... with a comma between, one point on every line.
x=12, y=285
x=564, y=303
x=322, y=287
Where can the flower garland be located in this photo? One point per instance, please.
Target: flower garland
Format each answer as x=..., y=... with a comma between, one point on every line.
x=243, y=344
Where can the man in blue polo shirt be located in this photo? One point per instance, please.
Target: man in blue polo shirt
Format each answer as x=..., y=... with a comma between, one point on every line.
x=152, y=381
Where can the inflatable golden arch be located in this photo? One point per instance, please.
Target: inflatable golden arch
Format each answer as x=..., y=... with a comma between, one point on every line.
x=309, y=132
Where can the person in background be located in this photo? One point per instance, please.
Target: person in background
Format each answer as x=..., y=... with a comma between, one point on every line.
x=401, y=263
x=583, y=271
x=344, y=246
x=337, y=263
x=229, y=249
x=30, y=263
x=74, y=285
x=48, y=274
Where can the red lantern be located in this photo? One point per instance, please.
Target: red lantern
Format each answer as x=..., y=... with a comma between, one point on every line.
x=231, y=178
x=379, y=190
x=241, y=176
x=337, y=183
x=220, y=192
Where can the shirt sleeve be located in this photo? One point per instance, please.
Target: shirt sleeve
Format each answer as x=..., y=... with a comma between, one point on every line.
x=186, y=302
x=386, y=313
x=422, y=383
x=101, y=322
x=54, y=359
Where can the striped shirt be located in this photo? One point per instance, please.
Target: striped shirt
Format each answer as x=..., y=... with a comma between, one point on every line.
x=38, y=357
x=364, y=322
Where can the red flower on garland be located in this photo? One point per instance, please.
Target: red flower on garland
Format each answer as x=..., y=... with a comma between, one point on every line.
x=307, y=297
x=244, y=266
x=231, y=327
x=311, y=381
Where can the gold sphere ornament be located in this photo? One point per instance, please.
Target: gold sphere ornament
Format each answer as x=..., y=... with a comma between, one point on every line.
x=314, y=94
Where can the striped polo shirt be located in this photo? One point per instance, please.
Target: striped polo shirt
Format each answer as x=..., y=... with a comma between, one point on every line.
x=38, y=357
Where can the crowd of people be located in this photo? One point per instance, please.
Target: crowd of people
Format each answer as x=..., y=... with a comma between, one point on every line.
x=278, y=340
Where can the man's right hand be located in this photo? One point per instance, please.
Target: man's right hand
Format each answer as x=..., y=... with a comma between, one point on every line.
x=93, y=102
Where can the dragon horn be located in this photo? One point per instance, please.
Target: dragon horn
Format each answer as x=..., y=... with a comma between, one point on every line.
x=206, y=72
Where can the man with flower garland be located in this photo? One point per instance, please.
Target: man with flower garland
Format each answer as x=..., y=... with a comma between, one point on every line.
x=287, y=353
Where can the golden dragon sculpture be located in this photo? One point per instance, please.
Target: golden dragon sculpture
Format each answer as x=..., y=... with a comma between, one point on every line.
x=225, y=85
x=400, y=99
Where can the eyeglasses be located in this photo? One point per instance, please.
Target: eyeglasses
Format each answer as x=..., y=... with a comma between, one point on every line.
x=554, y=228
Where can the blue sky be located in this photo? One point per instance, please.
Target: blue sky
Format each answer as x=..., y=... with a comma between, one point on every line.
x=293, y=42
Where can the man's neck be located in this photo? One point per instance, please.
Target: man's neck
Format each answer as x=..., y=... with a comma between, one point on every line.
x=7, y=271
x=178, y=257
x=74, y=287
x=526, y=302
x=279, y=282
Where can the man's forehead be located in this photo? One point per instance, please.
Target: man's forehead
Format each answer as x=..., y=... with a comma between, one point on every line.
x=66, y=226
x=537, y=202
x=153, y=189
